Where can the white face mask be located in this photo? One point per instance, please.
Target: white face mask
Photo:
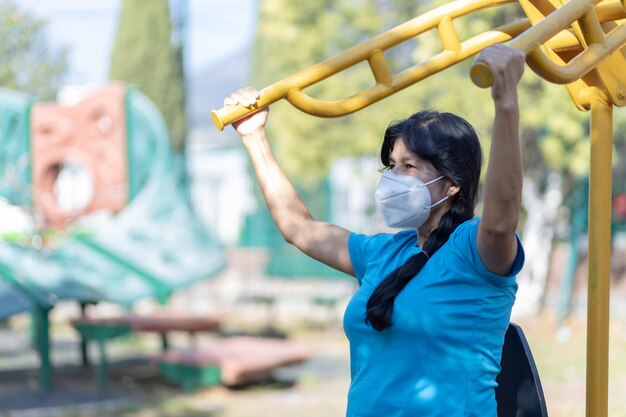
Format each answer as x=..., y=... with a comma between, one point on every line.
x=404, y=201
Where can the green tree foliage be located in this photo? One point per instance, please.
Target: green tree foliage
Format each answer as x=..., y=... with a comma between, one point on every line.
x=294, y=35
x=28, y=62
x=143, y=55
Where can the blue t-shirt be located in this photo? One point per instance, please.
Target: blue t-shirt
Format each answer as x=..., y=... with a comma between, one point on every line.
x=442, y=353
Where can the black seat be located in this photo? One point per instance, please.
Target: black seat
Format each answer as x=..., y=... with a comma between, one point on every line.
x=519, y=392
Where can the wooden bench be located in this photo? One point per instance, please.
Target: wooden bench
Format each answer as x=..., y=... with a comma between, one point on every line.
x=234, y=361
x=100, y=330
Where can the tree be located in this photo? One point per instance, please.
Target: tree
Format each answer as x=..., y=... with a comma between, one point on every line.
x=143, y=55
x=28, y=63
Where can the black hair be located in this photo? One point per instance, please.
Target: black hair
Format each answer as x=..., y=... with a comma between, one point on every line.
x=451, y=145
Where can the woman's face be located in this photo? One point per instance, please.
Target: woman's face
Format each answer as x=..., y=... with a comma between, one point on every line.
x=403, y=162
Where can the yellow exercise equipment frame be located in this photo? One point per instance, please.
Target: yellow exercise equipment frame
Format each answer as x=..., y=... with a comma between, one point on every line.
x=579, y=43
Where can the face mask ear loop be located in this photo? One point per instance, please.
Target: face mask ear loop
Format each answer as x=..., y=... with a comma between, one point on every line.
x=443, y=199
x=439, y=202
x=432, y=181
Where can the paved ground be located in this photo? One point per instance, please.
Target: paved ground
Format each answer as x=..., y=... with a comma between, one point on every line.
x=307, y=315
x=312, y=389
x=308, y=311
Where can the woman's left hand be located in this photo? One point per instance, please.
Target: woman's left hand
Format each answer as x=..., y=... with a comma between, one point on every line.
x=507, y=67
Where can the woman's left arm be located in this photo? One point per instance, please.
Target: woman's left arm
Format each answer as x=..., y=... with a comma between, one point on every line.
x=496, y=240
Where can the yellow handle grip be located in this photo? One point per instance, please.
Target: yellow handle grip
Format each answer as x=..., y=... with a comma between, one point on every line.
x=228, y=114
x=481, y=75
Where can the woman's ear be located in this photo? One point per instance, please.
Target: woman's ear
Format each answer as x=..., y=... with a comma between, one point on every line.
x=453, y=189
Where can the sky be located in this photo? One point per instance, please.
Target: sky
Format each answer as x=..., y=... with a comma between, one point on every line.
x=215, y=29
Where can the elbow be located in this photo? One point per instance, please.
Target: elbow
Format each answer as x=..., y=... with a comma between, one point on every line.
x=288, y=233
x=501, y=218
x=292, y=235
x=288, y=239
x=501, y=223
x=501, y=229
x=291, y=228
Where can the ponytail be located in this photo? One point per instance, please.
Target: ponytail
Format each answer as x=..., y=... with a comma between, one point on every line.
x=380, y=304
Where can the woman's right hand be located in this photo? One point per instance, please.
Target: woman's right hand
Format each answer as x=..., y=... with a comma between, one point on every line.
x=254, y=122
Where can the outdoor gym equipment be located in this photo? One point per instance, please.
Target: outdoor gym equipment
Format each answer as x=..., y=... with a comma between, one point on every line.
x=553, y=34
x=580, y=43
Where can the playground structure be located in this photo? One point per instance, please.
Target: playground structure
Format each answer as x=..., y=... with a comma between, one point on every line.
x=144, y=242
x=135, y=237
x=580, y=43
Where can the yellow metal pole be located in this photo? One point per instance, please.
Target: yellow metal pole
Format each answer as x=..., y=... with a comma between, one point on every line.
x=599, y=252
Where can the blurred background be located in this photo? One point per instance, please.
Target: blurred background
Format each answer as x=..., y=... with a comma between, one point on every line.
x=119, y=199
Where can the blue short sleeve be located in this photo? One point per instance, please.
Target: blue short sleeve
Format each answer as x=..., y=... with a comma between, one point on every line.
x=464, y=240
x=367, y=252
x=357, y=247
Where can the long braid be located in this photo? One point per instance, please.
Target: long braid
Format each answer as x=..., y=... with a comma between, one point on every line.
x=380, y=305
x=451, y=145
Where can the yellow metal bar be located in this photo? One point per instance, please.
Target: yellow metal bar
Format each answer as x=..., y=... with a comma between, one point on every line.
x=611, y=11
x=539, y=33
x=353, y=56
x=380, y=68
x=564, y=41
x=591, y=29
x=437, y=63
x=607, y=11
x=442, y=19
x=555, y=22
x=579, y=65
x=599, y=252
x=447, y=34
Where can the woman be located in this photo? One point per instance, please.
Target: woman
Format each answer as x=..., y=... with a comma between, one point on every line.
x=427, y=324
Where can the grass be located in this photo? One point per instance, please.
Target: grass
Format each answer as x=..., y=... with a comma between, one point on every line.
x=561, y=361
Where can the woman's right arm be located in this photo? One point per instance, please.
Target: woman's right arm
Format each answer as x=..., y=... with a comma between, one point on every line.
x=326, y=242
